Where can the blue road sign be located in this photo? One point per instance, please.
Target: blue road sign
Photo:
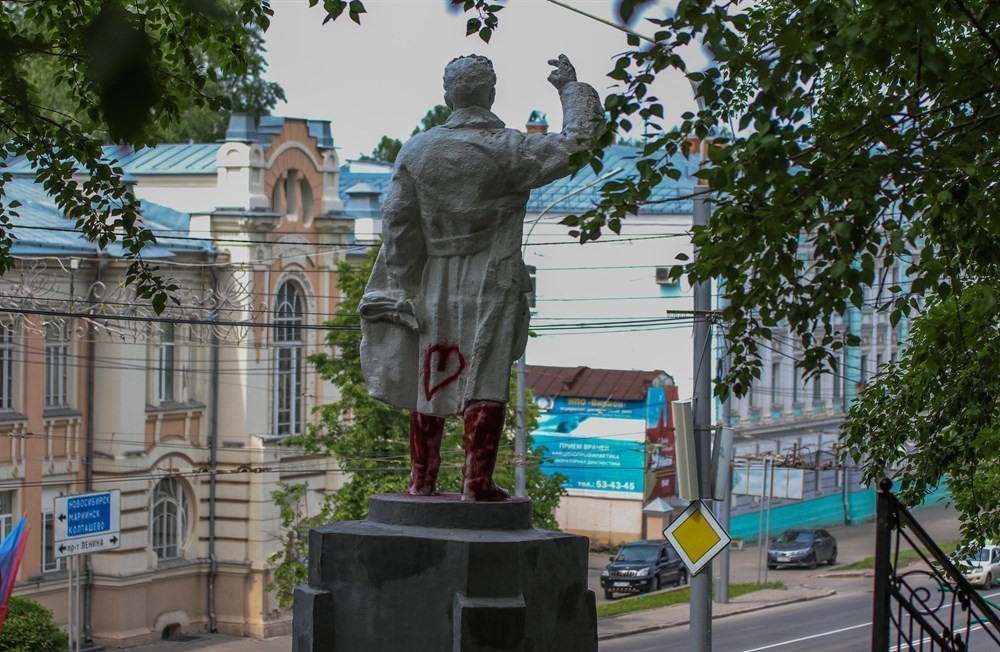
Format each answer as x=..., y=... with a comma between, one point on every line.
x=87, y=522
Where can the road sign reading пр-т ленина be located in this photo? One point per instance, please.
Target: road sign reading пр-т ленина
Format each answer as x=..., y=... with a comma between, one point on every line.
x=696, y=536
x=87, y=523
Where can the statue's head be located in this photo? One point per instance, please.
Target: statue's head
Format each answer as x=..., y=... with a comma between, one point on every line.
x=469, y=81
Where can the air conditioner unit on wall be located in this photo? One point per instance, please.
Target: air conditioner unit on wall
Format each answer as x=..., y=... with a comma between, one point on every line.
x=663, y=276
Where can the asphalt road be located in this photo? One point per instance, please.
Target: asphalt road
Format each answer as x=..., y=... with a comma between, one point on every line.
x=840, y=623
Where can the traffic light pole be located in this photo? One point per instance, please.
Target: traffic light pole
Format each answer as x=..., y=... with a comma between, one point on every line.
x=701, y=583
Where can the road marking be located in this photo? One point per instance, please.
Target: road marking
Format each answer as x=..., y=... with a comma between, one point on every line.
x=926, y=639
x=847, y=629
x=807, y=638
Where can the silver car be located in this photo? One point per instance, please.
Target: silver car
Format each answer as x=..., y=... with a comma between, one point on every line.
x=803, y=548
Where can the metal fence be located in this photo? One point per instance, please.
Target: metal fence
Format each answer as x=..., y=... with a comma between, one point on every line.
x=927, y=605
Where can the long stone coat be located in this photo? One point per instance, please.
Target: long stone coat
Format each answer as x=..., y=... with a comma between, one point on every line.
x=445, y=311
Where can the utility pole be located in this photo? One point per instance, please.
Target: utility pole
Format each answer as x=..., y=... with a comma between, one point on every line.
x=701, y=583
x=520, y=436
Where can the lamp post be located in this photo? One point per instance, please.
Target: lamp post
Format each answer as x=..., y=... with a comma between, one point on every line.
x=701, y=582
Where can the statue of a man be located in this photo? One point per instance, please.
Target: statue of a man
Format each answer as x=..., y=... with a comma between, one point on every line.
x=445, y=312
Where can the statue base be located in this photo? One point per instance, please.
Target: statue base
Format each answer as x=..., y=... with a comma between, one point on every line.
x=434, y=573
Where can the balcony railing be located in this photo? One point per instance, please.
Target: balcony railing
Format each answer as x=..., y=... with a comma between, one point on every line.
x=927, y=605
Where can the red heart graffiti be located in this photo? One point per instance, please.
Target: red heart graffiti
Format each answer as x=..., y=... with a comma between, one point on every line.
x=443, y=361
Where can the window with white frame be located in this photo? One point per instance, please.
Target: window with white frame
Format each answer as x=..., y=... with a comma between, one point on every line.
x=166, y=363
x=289, y=362
x=6, y=513
x=168, y=519
x=50, y=563
x=6, y=366
x=56, y=364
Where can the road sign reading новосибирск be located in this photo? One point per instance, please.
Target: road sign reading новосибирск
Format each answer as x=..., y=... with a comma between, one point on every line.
x=87, y=523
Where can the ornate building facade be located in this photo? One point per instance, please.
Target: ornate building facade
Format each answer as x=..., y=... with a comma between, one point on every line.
x=183, y=412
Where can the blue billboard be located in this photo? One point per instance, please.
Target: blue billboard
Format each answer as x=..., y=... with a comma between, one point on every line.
x=595, y=455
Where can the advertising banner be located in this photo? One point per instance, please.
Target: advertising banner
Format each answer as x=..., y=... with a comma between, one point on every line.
x=661, y=464
x=596, y=407
x=598, y=456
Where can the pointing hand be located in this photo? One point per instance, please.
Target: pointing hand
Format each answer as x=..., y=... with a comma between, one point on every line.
x=564, y=72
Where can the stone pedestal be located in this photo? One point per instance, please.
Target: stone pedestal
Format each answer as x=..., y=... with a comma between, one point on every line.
x=433, y=574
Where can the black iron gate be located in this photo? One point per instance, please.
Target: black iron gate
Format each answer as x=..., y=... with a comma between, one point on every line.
x=923, y=606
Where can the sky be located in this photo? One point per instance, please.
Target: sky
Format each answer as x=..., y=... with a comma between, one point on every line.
x=382, y=77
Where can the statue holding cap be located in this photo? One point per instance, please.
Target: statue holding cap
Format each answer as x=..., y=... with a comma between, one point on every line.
x=445, y=311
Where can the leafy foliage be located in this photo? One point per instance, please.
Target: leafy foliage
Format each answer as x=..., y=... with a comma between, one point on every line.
x=243, y=92
x=29, y=627
x=862, y=173
x=65, y=93
x=290, y=560
x=386, y=151
x=246, y=92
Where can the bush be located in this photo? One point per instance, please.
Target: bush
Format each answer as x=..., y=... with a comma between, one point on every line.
x=29, y=628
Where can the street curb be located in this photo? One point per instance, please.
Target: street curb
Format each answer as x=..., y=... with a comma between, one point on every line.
x=863, y=572
x=739, y=609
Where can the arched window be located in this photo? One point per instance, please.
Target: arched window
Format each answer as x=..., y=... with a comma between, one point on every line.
x=289, y=362
x=292, y=195
x=169, y=519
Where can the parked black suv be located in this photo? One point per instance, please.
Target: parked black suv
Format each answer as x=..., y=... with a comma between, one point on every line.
x=643, y=566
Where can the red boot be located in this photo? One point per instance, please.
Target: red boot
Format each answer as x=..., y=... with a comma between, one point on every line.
x=425, y=453
x=483, y=428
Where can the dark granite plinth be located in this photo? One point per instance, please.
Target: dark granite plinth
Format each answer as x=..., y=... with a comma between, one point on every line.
x=438, y=574
x=449, y=511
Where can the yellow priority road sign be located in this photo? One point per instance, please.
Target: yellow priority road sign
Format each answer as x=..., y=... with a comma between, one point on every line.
x=696, y=536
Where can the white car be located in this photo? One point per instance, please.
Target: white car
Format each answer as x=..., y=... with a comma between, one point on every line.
x=982, y=568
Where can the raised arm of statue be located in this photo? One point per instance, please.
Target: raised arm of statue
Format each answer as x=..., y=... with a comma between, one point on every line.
x=543, y=158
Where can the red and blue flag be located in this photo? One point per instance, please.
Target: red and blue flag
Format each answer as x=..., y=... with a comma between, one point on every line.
x=11, y=549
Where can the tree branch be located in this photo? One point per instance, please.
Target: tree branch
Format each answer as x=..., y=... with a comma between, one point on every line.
x=978, y=25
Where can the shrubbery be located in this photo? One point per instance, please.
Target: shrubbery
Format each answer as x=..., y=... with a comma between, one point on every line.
x=29, y=628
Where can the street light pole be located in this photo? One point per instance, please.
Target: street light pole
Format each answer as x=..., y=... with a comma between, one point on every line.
x=701, y=409
x=521, y=438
